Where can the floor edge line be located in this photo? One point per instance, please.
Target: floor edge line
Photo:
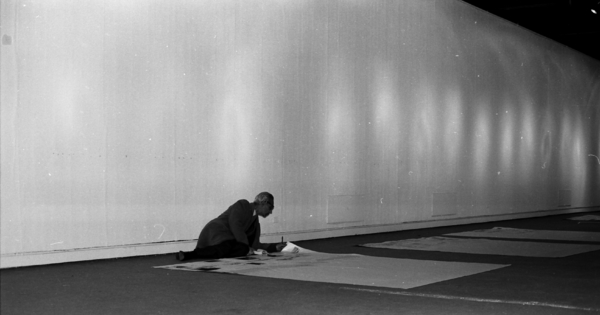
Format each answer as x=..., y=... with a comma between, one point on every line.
x=472, y=299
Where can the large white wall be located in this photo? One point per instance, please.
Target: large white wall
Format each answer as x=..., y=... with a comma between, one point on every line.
x=127, y=125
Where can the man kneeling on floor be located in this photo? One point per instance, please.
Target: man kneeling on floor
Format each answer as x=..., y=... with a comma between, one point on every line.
x=236, y=232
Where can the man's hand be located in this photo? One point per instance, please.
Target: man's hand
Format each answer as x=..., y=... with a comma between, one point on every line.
x=280, y=246
x=260, y=252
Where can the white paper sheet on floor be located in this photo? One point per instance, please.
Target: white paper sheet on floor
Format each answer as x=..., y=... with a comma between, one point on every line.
x=351, y=269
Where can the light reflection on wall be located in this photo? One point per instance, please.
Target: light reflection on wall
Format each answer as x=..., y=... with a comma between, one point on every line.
x=579, y=162
x=528, y=138
x=546, y=140
x=565, y=151
x=481, y=139
x=239, y=120
x=385, y=120
x=342, y=130
x=425, y=123
x=453, y=130
x=386, y=108
x=506, y=116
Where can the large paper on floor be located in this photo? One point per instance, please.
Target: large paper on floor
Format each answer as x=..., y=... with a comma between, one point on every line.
x=340, y=268
x=487, y=247
x=502, y=232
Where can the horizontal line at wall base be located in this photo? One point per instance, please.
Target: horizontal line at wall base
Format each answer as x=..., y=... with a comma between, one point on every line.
x=96, y=253
x=111, y=252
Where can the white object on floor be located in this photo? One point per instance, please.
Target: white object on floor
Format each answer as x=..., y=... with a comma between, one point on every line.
x=293, y=248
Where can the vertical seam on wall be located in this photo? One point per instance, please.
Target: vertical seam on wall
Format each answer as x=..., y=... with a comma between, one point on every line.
x=283, y=188
x=16, y=164
x=105, y=122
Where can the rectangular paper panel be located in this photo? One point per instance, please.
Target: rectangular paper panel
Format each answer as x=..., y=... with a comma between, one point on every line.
x=487, y=247
x=502, y=232
x=341, y=268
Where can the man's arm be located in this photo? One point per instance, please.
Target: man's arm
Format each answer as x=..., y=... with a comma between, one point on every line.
x=257, y=245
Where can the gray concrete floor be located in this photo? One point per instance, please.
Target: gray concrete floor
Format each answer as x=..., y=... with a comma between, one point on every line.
x=568, y=285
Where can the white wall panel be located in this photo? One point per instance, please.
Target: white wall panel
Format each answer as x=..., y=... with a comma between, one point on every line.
x=136, y=122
